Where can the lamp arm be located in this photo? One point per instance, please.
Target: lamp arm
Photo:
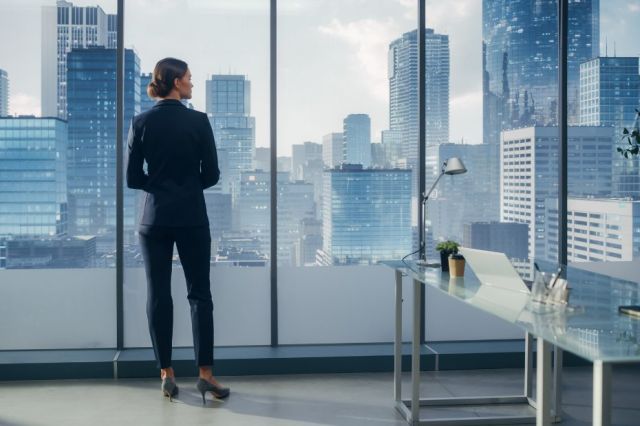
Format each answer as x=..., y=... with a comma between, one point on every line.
x=427, y=194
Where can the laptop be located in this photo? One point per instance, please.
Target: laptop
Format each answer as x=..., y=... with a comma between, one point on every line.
x=494, y=269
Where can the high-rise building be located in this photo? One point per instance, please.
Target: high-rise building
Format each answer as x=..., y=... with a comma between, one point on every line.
x=263, y=158
x=378, y=156
x=251, y=201
x=609, y=96
x=146, y=103
x=332, y=149
x=309, y=243
x=91, y=155
x=506, y=237
x=4, y=93
x=295, y=204
x=520, y=61
x=403, y=93
x=219, y=210
x=470, y=197
x=529, y=173
x=228, y=100
x=599, y=229
x=33, y=182
x=392, y=146
x=356, y=136
x=301, y=154
x=366, y=215
x=66, y=27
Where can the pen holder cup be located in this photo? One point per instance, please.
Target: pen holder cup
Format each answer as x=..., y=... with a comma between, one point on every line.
x=549, y=290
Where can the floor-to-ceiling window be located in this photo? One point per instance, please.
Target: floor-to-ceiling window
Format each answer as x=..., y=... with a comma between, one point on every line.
x=57, y=174
x=226, y=46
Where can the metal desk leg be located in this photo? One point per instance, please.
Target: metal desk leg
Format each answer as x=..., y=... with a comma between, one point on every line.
x=528, y=366
x=543, y=385
x=601, y=393
x=397, y=344
x=557, y=381
x=415, y=352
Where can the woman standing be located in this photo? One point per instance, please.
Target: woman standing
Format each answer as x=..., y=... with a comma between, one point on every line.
x=177, y=144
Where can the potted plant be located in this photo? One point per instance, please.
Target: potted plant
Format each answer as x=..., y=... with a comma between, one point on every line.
x=446, y=248
x=456, y=265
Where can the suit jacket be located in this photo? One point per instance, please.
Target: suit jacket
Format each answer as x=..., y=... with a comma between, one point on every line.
x=178, y=146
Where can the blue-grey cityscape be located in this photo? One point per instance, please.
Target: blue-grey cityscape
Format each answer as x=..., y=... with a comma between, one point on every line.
x=348, y=197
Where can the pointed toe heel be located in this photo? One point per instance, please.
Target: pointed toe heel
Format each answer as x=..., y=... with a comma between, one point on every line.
x=169, y=388
x=218, y=391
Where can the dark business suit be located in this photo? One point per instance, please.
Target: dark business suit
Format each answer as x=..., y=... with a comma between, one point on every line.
x=178, y=146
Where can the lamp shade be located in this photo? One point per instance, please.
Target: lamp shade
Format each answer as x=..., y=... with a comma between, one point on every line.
x=454, y=166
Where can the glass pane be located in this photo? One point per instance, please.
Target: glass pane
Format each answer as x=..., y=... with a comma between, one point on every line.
x=503, y=106
x=227, y=49
x=57, y=174
x=604, y=216
x=347, y=147
x=344, y=145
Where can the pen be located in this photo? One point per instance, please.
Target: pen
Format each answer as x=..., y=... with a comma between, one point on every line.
x=556, y=278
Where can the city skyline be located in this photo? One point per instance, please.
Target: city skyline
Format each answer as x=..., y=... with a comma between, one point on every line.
x=354, y=38
x=308, y=195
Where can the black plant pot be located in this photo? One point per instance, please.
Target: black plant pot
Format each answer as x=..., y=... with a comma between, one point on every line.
x=444, y=260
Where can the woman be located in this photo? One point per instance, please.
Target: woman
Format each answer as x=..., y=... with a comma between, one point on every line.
x=177, y=144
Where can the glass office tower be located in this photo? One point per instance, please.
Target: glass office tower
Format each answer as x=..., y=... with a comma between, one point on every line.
x=66, y=27
x=529, y=174
x=4, y=93
x=228, y=100
x=356, y=148
x=33, y=181
x=403, y=90
x=366, y=215
x=520, y=59
x=92, y=139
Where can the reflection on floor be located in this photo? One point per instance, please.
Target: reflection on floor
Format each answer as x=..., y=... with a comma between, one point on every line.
x=335, y=399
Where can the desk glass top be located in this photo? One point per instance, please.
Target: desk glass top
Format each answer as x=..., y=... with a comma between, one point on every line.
x=589, y=326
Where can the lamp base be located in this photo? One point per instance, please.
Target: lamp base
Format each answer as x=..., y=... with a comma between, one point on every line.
x=424, y=263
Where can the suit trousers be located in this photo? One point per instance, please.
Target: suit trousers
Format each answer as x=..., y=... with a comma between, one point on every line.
x=194, y=249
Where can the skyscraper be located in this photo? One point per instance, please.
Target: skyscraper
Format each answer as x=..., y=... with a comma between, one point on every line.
x=601, y=230
x=301, y=154
x=609, y=96
x=251, y=201
x=33, y=185
x=92, y=137
x=332, y=149
x=4, y=93
x=366, y=215
x=356, y=148
x=529, y=174
x=403, y=90
x=295, y=204
x=66, y=27
x=520, y=61
x=392, y=146
x=228, y=100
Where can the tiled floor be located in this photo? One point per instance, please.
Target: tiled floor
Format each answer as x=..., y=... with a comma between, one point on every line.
x=336, y=399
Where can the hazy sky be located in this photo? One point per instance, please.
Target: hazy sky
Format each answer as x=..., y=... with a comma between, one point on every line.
x=332, y=54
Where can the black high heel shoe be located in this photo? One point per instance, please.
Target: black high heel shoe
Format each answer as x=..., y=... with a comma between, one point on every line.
x=169, y=387
x=205, y=386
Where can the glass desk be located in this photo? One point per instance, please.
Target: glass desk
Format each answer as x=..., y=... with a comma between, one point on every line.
x=589, y=326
